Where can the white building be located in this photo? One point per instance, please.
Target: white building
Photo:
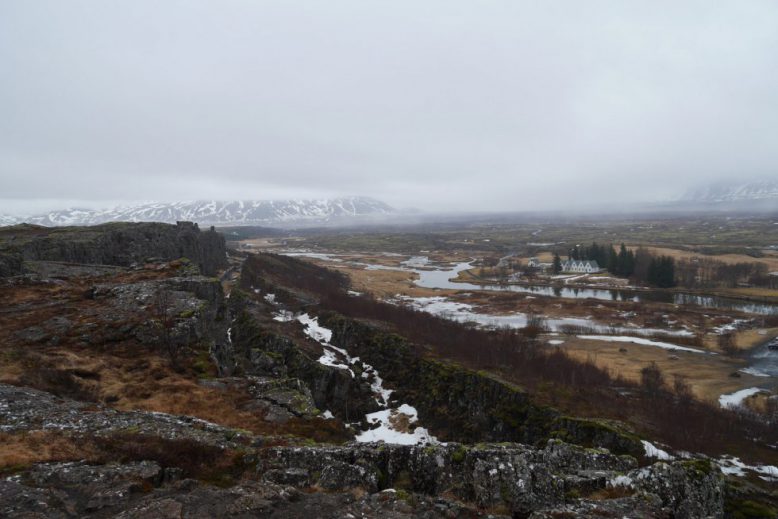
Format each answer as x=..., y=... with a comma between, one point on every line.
x=580, y=266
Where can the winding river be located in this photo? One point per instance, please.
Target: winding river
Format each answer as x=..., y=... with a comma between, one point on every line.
x=762, y=360
x=443, y=279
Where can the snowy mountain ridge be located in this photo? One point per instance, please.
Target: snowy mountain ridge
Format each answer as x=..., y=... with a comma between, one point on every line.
x=740, y=192
x=214, y=212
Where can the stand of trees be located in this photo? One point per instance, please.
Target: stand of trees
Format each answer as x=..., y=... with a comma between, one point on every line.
x=621, y=263
x=643, y=266
x=704, y=272
x=661, y=272
x=640, y=265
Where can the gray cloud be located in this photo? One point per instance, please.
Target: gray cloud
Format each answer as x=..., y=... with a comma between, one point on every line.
x=436, y=104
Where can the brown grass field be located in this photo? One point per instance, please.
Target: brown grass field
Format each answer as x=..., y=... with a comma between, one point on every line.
x=708, y=375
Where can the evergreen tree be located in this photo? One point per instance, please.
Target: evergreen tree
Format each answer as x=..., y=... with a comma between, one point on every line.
x=621, y=262
x=625, y=261
x=661, y=272
x=556, y=267
x=613, y=261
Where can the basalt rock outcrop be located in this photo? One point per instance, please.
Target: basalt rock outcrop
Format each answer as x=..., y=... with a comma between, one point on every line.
x=255, y=350
x=365, y=480
x=120, y=244
x=369, y=480
x=508, y=478
x=11, y=264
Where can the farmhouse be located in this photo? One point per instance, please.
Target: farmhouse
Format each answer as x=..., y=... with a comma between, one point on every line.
x=580, y=266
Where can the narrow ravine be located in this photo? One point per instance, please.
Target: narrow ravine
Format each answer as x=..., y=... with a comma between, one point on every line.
x=395, y=422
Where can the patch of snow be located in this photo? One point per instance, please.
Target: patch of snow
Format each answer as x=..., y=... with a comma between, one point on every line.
x=386, y=431
x=314, y=330
x=416, y=261
x=464, y=312
x=283, y=316
x=377, y=385
x=329, y=358
x=327, y=415
x=735, y=399
x=270, y=298
x=755, y=372
x=653, y=451
x=732, y=466
x=620, y=481
x=641, y=341
x=731, y=327
x=313, y=255
x=556, y=342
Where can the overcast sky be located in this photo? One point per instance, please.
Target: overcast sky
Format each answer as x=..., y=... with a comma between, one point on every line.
x=493, y=105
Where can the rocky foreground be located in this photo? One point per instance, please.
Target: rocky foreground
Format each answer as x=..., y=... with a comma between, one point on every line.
x=366, y=480
x=138, y=389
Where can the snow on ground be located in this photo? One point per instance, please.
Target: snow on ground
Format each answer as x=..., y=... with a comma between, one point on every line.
x=641, y=341
x=283, y=316
x=313, y=255
x=653, y=451
x=394, y=426
x=620, y=481
x=732, y=466
x=731, y=327
x=377, y=385
x=416, y=261
x=464, y=312
x=755, y=372
x=735, y=399
x=556, y=342
x=313, y=330
x=327, y=415
x=329, y=358
x=270, y=298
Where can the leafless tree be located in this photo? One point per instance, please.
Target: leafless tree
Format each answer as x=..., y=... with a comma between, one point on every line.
x=652, y=379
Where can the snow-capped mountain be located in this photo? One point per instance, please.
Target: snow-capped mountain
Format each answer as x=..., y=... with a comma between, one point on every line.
x=8, y=220
x=212, y=212
x=723, y=193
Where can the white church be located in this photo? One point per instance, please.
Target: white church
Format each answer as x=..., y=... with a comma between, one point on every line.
x=580, y=266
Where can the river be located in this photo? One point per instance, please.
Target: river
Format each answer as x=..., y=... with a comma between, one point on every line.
x=443, y=279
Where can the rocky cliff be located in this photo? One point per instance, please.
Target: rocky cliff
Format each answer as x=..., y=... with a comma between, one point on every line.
x=120, y=244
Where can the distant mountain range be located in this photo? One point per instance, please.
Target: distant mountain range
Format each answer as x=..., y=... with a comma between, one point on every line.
x=212, y=212
x=724, y=193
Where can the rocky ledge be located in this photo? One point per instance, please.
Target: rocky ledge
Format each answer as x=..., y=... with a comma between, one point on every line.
x=365, y=480
x=119, y=244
